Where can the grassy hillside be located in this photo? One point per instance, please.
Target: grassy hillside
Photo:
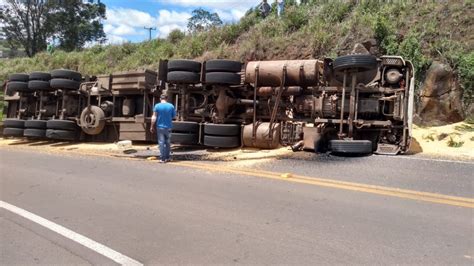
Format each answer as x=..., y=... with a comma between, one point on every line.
x=421, y=32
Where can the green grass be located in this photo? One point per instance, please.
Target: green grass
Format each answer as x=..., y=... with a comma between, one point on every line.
x=420, y=32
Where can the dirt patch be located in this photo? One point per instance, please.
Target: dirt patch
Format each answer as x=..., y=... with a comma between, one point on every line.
x=454, y=141
x=236, y=158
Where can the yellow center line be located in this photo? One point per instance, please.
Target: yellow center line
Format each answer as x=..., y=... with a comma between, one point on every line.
x=373, y=189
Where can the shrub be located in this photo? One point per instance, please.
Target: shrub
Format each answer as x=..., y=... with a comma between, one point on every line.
x=454, y=143
x=175, y=36
x=295, y=18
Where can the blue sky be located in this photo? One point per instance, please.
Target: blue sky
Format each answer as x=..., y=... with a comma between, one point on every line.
x=126, y=18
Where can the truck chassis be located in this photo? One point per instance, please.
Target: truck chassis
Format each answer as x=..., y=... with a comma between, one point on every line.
x=353, y=104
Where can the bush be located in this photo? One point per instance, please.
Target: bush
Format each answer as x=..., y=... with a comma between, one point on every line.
x=175, y=36
x=465, y=69
x=295, y=18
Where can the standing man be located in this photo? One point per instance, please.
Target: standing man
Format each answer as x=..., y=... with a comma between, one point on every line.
x=280, y=7
x=165, y=113
x=264, y=9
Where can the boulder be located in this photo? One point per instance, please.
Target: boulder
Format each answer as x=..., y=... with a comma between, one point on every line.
x=440, y=97
x=359, y=49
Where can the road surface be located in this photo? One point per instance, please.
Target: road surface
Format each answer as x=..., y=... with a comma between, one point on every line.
x=324, y=210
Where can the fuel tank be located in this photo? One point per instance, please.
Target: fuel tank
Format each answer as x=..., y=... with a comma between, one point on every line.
x=298, y=72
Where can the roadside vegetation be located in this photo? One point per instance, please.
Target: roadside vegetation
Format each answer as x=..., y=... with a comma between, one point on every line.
x=419, y=31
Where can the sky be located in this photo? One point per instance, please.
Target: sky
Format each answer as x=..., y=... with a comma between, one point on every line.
x=126, y=19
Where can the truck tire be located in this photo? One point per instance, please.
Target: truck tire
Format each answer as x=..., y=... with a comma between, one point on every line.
x=40, y=76
x=184, y=77
x=219, y=65
x=184, y=138
x=61, y=125
x=222, y=129
x=184, y=65
x=18, y=86
x=351, y=146
x=34, y=133
x=36, y=124
x=92, y=120
x=222, y=142
x=185, y=126
x=61, y=134
x=65, y=84
x=14, y=123
x=359, y=62
x=223, y=78
x=66, y=74
x=13, y=132
x=38, y=85
x=19, y=77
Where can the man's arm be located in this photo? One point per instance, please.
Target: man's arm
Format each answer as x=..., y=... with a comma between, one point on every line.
x=153, y=122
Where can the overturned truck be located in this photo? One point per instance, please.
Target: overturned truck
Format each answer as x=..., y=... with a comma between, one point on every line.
x=352, y=104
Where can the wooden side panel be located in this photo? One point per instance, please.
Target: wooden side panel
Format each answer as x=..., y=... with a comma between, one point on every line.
x=136, y=131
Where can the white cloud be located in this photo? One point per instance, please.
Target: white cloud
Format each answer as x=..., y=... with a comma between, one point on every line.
x=129, y=17
x=171, y=20
x=214, y=4
x=124, y=30
x=114, y=39
x=232, y=15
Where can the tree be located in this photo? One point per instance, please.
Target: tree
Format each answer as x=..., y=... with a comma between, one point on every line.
x=78, y=23
x=203, y=20
x=29, y=23
x=176, y=36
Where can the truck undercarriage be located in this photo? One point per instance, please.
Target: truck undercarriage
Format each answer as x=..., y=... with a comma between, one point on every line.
x=352, y=104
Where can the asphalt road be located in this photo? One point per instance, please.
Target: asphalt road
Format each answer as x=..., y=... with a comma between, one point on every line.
x=180, y=214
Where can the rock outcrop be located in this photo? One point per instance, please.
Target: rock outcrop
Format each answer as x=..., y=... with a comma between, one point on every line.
x=440, y=97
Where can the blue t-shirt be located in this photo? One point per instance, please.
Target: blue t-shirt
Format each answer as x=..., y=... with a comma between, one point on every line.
x=166, y=113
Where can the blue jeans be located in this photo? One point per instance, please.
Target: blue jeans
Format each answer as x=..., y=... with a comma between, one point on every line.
x=164, y=142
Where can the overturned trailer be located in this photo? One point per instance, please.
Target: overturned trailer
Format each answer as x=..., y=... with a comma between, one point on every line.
x=353, y=104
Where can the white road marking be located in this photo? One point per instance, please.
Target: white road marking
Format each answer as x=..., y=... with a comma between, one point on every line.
x=87, y=242
x=431, y=159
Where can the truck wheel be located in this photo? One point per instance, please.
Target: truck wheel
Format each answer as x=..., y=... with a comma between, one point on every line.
x=222, y=129
x=18, y=86
x=66, y=84
x=13, y=132
x=184, y=126
x=19, y=77
x=222, y=142
x=185, y=138
x=37, y=124
x=92, y=120
x=184, y=77
x=61, y=134
x=358, y=62
x=66, y=74
x=15, y=123
x=34, y=133
x=40, y=76
x=61, y=124
x=223, y=66
x=224, y=78
x=351, y=146
x=37, y=85
x=184, y=65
